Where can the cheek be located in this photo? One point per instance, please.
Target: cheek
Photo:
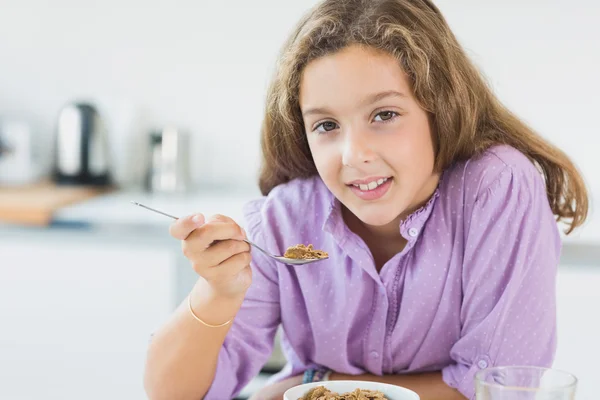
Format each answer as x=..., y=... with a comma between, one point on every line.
x=414, y=149
x=428, y=151
x=324, y=158
x=424, y=151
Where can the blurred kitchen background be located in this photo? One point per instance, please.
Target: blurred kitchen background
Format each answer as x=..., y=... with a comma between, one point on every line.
x=175, y=92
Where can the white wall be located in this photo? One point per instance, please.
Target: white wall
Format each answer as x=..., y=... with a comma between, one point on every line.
x=204, y=65
x=542, y=58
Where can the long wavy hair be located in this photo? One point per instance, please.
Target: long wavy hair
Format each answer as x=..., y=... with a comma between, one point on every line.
x=466, y=117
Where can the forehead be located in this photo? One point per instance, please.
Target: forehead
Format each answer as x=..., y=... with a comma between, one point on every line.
x=350, y=75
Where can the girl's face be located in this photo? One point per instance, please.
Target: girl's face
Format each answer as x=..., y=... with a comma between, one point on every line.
x=370, y=140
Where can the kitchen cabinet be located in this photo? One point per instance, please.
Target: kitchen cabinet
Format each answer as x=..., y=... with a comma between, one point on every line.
x=578, y=298
x=76, y=312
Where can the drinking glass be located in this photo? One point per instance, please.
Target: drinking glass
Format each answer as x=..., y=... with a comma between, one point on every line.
x=524, y=383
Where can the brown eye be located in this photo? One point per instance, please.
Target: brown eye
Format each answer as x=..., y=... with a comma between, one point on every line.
x=386, y=115
x=326, y=126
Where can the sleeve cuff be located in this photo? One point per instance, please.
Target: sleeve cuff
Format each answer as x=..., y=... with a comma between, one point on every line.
x=462, y=377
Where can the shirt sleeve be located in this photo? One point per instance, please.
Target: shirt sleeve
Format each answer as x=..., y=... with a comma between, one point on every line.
x=512, y=249
x=249, y=342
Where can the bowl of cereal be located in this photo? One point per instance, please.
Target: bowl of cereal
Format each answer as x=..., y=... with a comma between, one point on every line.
x=349, y=390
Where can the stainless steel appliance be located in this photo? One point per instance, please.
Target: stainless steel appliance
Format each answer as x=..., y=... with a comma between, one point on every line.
x=168, y=169
x=81, y=147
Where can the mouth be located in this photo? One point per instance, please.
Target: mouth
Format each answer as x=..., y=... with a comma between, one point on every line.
x=369, y=183
x=371, y=188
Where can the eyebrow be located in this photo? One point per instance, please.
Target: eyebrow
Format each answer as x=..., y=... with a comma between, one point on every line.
x=368, y=100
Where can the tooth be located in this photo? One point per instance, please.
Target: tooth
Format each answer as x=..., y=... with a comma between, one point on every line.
x=372, y=185
x=364, y=187
x=379, y=182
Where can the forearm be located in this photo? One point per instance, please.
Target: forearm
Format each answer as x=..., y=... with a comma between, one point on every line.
x=183, y=354
x=429, y=386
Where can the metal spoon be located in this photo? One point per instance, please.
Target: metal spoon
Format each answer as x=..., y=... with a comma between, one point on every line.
x=281, y=259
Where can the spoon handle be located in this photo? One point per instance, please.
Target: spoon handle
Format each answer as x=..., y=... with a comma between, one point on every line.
x=258, y=248
x=152, y=209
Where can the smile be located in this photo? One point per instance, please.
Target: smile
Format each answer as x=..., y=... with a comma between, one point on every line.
x=371, y=189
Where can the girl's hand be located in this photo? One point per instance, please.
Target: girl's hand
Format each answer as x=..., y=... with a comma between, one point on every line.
x=216, y=251
x=276, y=390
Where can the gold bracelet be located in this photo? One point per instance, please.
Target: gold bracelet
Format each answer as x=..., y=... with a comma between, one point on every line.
x=202, y=322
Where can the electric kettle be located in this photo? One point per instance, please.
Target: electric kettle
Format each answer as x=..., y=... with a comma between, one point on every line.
x=81, y=156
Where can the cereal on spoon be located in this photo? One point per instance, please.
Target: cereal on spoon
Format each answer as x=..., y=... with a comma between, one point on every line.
x=302, y=252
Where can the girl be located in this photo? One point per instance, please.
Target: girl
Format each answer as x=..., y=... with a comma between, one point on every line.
x=382, y=146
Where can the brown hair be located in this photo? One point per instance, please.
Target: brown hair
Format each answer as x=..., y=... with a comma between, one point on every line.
x=466, y=117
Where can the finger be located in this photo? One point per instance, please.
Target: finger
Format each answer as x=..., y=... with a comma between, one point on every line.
x=182, y=228
x=215, y=230
x=215, y=254
x=229, y=267
x=219, y=217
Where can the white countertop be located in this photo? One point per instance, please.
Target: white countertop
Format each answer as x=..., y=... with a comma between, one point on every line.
x=116, y=208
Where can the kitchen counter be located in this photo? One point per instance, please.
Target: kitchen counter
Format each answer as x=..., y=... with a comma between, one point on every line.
x=115, y=211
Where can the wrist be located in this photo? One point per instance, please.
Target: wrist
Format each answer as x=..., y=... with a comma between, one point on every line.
x=206, y=291
x=212, y=307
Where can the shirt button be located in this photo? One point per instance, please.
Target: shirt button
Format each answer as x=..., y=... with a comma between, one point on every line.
x=482, y=364
x=374, y=354
x=413, y=232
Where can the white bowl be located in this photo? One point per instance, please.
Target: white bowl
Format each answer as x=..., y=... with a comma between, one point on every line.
x=392, y=392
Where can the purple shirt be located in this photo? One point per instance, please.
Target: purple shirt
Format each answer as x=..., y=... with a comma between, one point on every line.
x=473, y=288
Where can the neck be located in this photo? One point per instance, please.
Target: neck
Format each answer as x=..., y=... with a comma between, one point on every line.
x=384, y=235
x=383, y=241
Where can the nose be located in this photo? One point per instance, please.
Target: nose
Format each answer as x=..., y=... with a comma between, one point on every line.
x=357, y=149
